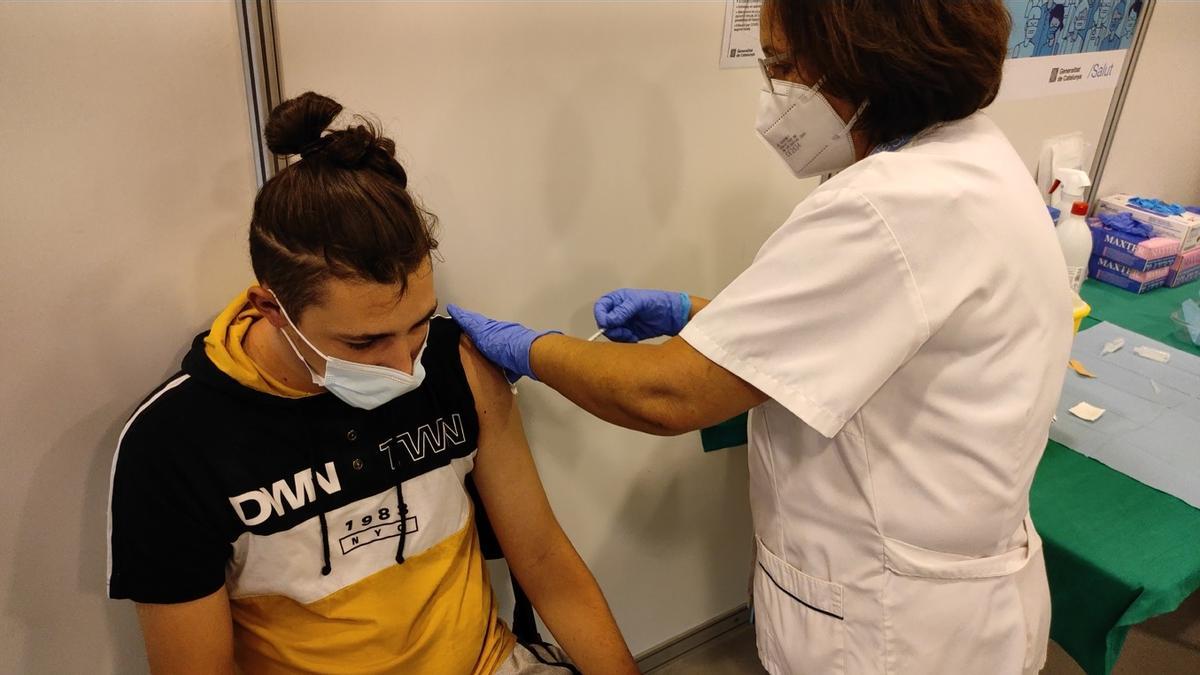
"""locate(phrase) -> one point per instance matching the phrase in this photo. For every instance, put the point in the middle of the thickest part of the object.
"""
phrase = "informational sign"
(739, 44)
(1066, 46)
(1055, 47)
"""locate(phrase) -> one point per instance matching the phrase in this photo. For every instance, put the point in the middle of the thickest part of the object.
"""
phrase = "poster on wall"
(740, 47)
(1067, 46)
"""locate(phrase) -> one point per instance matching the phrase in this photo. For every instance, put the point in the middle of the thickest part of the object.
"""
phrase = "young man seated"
(294, 500)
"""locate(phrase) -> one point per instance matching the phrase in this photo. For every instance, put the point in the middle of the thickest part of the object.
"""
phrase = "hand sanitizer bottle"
(1075, 238)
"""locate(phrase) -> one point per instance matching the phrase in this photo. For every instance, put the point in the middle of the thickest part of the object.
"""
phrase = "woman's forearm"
(664, 389)
(629, 385)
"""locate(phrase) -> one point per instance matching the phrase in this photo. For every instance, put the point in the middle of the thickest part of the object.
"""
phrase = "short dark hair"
(342, 211)
(918, 62)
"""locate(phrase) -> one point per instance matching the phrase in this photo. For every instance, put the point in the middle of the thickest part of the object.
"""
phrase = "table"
(1117, 552)
(1148, 314)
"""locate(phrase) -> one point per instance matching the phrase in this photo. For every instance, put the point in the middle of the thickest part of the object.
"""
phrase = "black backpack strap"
(524, 625)
(488, 544)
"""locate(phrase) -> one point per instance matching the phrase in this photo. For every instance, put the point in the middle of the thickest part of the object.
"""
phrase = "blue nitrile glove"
(1125, 224)
(632, 314)
(504, 343)
(1156, 206)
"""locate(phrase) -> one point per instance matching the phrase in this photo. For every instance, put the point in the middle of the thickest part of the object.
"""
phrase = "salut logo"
(297, 492)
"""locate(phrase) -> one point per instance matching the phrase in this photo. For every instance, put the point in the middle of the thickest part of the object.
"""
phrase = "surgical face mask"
(803, 128)
(358, 384)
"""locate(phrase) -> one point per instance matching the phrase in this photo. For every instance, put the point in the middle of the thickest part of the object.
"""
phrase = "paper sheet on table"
(1086, 411)
(1151, 428)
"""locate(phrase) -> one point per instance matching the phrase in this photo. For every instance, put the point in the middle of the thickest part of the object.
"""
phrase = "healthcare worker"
(900, 341)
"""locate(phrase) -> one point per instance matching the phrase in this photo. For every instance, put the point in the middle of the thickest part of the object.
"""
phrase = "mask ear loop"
(291, 344)
(854, 118)
(845, 132)
(317, 379)
(762, 67)
(816, 90)
(291, 323)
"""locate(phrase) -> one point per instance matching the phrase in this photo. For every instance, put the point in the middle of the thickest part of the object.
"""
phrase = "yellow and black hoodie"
(345, 537)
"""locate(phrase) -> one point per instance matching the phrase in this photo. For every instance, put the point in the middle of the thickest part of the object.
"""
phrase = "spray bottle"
(1075, 238)
(1069, 187)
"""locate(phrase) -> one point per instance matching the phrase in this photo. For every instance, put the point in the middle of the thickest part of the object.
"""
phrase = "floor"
(1166, 645)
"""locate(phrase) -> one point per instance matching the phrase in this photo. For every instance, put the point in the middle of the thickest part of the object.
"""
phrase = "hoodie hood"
(223, 346)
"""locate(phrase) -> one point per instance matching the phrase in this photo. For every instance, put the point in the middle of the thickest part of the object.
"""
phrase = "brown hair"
(342, 211)
(918, 62)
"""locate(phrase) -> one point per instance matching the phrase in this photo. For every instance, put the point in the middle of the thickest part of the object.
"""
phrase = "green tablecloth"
(1117, 552)
(1148, 314)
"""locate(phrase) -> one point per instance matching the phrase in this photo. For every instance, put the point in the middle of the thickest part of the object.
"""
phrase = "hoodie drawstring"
(400, 488)
(325, 544)
(327, 567)
(328, 564)
(403, 522)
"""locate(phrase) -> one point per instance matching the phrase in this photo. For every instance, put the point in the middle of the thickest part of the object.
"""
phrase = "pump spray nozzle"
(1069, 186)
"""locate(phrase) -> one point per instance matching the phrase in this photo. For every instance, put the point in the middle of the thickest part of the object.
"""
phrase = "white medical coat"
(911, 324)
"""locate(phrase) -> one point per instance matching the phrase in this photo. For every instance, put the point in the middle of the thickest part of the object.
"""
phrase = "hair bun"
(296, 127)
(348, 147)
(297, 123)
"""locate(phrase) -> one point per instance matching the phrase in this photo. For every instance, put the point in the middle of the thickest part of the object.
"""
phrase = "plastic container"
(1181, 328)
(1081, 310)
(1075, 238)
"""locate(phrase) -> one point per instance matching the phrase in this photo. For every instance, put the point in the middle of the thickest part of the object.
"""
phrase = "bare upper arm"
(494, 401)
(505, 474)
(189, 637)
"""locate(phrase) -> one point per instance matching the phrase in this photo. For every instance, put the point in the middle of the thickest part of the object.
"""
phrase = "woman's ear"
(266, 304)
